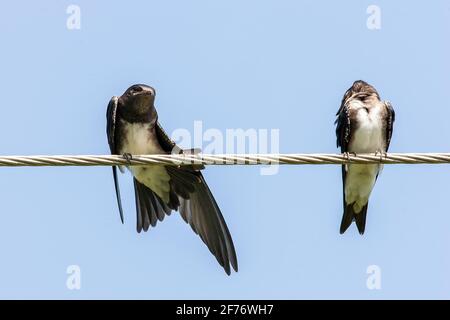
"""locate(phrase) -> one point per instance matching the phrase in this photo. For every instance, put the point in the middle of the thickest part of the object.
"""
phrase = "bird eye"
(134, 90)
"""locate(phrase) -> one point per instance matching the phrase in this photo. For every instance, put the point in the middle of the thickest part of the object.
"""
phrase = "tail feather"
(149, 207)
(347, 219)
(360, 219)
(349, 216)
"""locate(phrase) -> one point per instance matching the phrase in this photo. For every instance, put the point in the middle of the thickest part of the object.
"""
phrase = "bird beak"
(145, 98)
(148, 91)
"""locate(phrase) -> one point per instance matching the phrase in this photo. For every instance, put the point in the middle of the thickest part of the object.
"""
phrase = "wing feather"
(390, 123)
(198, 207)
(111, 113)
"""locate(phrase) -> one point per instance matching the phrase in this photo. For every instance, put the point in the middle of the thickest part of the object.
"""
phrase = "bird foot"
(128, 157)
(347, 155)
(383, 155)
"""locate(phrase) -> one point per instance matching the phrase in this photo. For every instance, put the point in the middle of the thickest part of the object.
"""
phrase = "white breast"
(359, 183)
(368, 136)
(139, 140)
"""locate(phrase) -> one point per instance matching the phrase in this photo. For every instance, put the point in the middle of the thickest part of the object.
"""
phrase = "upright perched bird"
(133, 128)
(364, 125)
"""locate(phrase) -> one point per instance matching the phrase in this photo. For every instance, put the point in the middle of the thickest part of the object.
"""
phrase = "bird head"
(360, 90)
(138, 101)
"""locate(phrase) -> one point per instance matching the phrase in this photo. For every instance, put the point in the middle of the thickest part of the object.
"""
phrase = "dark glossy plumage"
(188, 192)
(347, 123)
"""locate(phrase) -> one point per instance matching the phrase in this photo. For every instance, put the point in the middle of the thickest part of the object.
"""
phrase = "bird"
(133, 129)
(364, 124)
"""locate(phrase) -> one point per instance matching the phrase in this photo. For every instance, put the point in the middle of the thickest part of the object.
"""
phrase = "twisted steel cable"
(223, 159)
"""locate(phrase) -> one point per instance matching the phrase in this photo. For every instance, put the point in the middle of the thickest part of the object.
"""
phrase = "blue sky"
(230, 64)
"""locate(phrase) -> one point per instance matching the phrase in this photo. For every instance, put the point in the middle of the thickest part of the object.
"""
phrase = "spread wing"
(149, 207)
(389, 123)
(166, 143)
(198, 207)
(111, 133)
